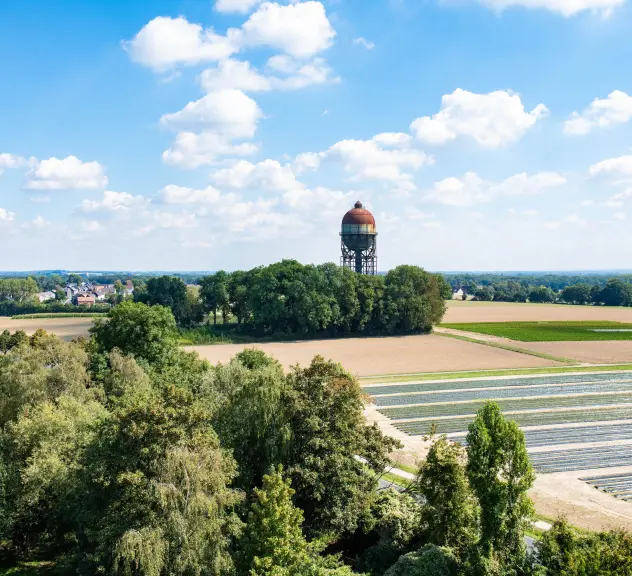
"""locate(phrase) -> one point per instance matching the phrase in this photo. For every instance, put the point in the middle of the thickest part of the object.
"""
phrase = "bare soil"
(66, 328)
(396, 355)
(469, 311)
(600, 352)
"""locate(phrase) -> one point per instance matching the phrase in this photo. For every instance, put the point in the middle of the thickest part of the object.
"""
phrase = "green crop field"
(550, 331)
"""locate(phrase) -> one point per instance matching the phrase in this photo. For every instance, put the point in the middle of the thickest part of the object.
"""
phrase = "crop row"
(465, 408)
(582, 459)
(578, 435)
(465, 395)
(450, 425)
(618, 485)
(497, 382)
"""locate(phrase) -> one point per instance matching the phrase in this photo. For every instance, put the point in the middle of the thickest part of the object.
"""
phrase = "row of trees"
(556, 281)
(291, 298)
(615, 292)
(125, 455)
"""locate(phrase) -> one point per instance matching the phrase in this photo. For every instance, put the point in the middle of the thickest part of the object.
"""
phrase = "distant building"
(102, 291)
(461, 294)
(85, 300)
(45, 296)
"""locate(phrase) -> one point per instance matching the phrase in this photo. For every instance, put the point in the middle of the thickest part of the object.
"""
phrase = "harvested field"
(66, 328)
(468, 311)
(589, 352)
(398, 355)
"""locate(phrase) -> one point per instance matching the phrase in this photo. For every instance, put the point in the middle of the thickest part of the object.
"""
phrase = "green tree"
(74, 279)
(450, 512)
(214, 294)
(577, 294)
(170, 292)
(147, 332)
(429, 561)
(500, 474)
(616, 293)
(238, 288)
(416, 298)
(18, 290)
(541, 295)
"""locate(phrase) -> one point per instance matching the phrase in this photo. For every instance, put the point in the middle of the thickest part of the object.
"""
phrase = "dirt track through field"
(469, 311)
(66, 328)
(396, 355)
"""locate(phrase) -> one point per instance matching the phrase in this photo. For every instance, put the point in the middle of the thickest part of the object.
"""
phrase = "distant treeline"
(289, 298)
(612, 292)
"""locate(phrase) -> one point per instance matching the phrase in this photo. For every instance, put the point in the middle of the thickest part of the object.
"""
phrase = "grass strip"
(575, 331)
(58, 315)
(394, 479)
(509, 348)
(421, 376)
(405, 467)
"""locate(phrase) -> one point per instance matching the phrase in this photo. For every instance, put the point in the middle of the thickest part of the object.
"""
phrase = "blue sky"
(483, 134)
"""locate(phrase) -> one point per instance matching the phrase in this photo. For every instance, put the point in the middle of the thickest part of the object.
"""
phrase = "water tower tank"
(359, 240)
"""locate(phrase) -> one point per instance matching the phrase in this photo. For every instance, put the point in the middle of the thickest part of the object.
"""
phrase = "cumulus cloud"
(492, 119)
(90, 226)
(114, 202)
(268, 174)
(191, 150)
(307, 161)
(13, 161)
(617, 200)
(621, 166)
(300, 30)
(38, 223)
(165, 42)
(381, 158)
(320, 199)
(364, 43)
(240, 75)
(173, 194)
(564, 7)
(471, 189)
(69, 173)
(236, 6)
(615, 109)
(161, 220)
(6, 216)
(228, 112)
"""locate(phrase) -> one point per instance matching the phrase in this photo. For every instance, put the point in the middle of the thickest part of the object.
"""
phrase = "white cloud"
(173, 194)
(240, 75)
(39, 199)
(165, 42)
(159, 220)
(621, 165)
(618, 200)
(114, 202)
(564, 7)
(615, 109)
(364, 43)
(238, 6)
(13, 161)
(552, 224)
(67, 174)
(373, 159)
(575, 219)
(268, 174)
(471, 189)
(90, 226)
(228, 112)
(300, 30)
(307, 161)
(38, 223)
(586, 203)
(318, 200)
(6, 216)
(492, 119)
(191, 150)
(192, 244)
(619, 215)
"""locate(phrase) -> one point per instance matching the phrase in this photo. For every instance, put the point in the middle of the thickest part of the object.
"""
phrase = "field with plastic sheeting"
(618, 485)
(571, 421)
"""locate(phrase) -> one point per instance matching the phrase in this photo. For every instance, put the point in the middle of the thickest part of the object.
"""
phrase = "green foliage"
(171, 292)
(146, 332)
(214, 293)
(18, 290)
(550, 331)
(500, 474)
(564, 552)
(429, 561)
(450, 512)
(541, 294)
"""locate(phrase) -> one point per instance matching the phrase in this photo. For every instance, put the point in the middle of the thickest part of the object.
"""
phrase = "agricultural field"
(549, 331)
(460, 312)
(64, 327)
(618, 485)
(391, 355)
(555, 410)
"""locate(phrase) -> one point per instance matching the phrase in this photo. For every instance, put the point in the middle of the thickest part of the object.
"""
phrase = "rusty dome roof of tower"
(358, 215)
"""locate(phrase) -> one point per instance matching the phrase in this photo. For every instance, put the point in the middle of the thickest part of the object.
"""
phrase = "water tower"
(359, 240)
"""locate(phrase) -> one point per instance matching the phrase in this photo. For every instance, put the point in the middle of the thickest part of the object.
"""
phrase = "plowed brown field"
(66, 328)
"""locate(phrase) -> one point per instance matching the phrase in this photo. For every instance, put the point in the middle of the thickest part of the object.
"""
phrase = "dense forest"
(125, 455)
